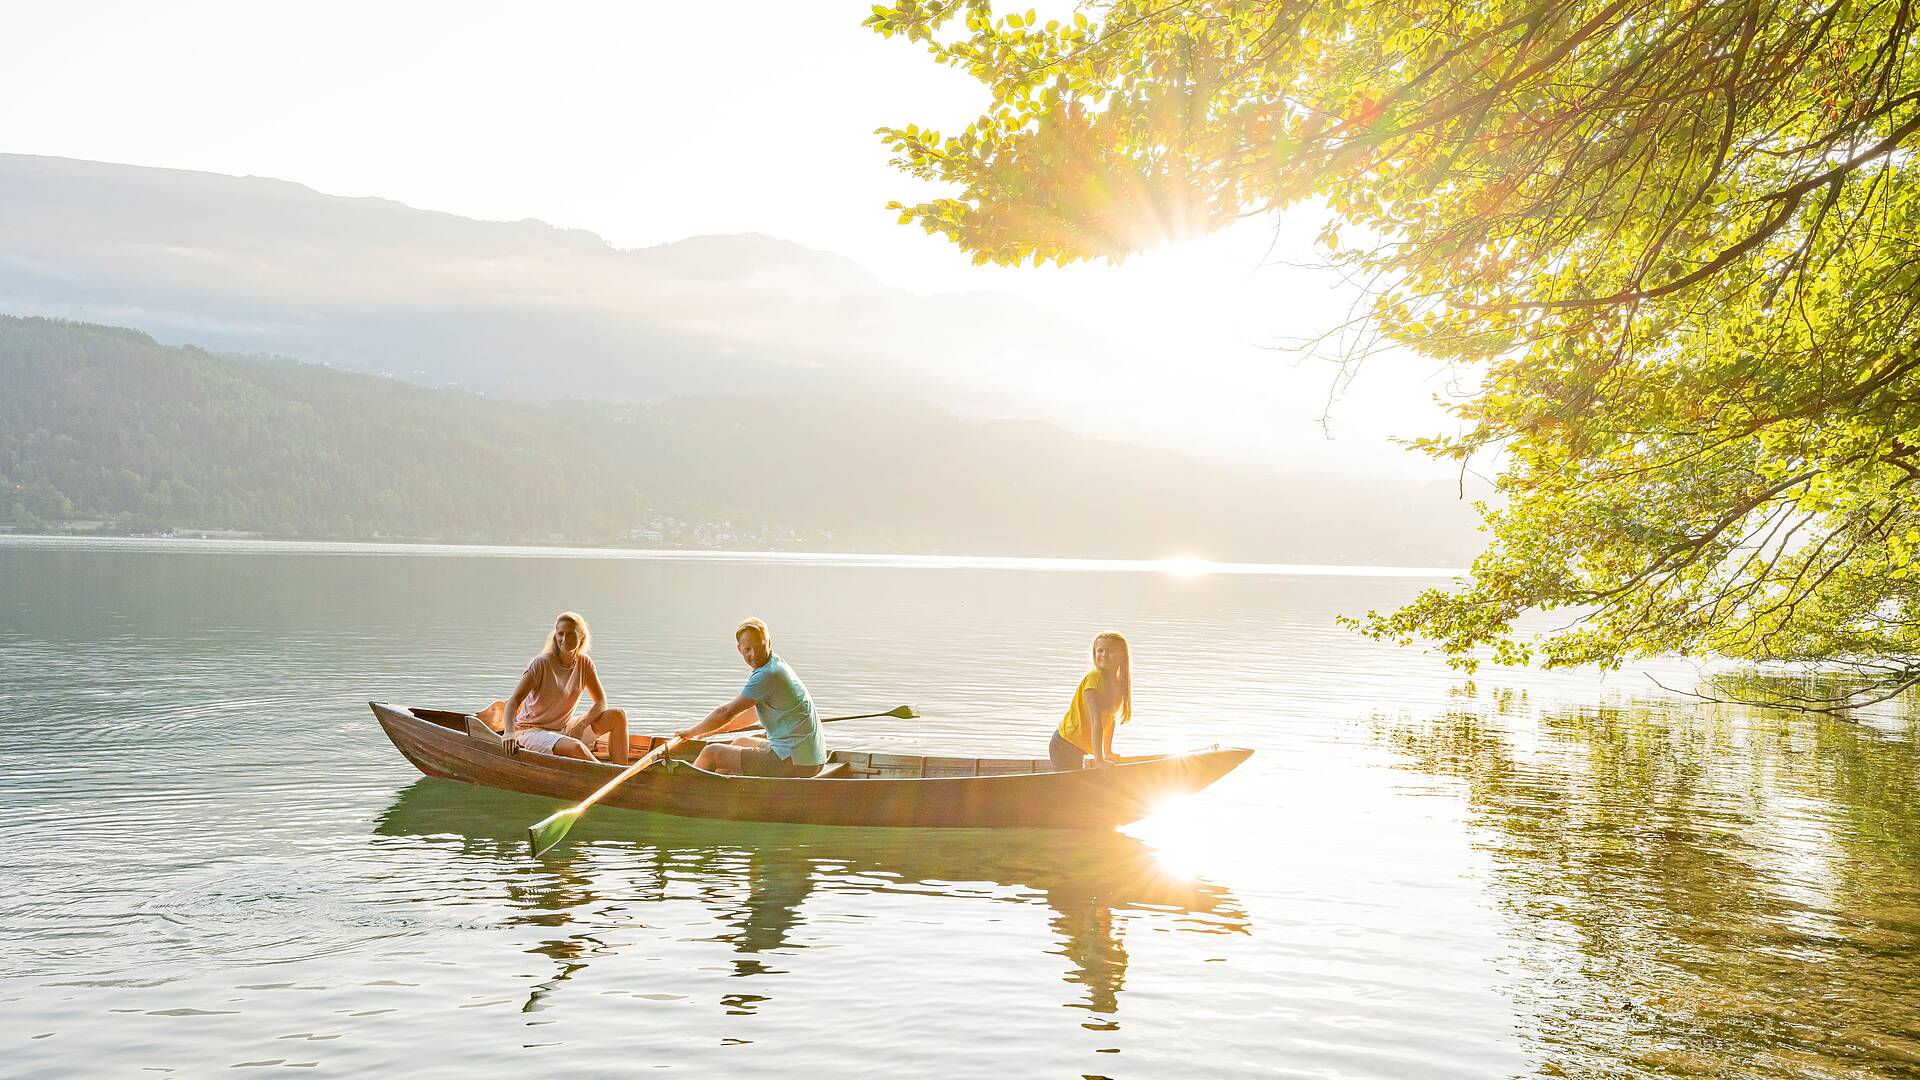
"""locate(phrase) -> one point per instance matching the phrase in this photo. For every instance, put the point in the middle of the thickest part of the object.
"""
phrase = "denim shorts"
(1065, 756)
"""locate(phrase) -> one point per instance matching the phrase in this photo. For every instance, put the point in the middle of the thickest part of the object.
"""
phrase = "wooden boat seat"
(480, 729)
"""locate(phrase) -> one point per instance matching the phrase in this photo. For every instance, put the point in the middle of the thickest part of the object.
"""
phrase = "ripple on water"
(247, 912)
(1412, 876)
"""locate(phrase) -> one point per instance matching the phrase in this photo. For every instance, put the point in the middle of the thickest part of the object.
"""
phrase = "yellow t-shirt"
(1073, 726)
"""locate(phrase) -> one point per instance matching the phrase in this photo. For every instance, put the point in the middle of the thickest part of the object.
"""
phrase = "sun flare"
(1187, 840)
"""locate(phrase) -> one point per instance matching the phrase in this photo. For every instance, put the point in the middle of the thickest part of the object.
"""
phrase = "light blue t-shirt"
(781, 702)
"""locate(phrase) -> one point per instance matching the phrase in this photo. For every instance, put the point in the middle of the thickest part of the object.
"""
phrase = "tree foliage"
(1675, 240)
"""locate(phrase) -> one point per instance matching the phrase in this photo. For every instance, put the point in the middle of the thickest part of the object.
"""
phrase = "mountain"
(534, 318)
(253, 265)
(103, 423)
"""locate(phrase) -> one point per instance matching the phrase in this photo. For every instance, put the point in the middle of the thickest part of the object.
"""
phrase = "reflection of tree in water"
(1700, 887)
(755, 879)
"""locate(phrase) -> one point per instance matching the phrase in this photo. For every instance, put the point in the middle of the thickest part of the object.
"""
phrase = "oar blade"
(547, 835)
(904, 712)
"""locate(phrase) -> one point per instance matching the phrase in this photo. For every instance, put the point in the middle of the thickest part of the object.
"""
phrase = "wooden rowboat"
(857, 787)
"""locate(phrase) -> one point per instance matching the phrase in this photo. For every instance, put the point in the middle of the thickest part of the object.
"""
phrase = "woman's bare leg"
(573, 748)
(494, 716)
(613, 724)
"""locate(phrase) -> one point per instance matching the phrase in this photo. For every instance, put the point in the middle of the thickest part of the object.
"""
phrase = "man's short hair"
(756, 626)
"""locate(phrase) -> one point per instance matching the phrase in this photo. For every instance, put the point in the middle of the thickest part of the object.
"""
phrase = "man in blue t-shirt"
(779, 703)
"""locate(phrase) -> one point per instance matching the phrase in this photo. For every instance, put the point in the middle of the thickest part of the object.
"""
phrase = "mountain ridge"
(105, 424)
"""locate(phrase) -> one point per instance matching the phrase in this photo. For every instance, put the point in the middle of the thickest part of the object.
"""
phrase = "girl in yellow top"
(1103, 699)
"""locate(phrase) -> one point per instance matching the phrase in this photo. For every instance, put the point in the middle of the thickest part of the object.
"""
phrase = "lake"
(215, 859)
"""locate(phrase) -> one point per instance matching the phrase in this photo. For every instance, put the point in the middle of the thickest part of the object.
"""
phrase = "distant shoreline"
(1177, 567)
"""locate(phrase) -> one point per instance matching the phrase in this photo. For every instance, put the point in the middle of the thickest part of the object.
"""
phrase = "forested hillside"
(103, 424)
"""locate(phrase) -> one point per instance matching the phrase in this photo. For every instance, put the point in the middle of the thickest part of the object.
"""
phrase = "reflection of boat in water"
(856, 788)
(755, 876)
(1121, 869)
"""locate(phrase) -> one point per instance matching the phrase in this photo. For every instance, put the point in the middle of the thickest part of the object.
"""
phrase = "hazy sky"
(648, 122)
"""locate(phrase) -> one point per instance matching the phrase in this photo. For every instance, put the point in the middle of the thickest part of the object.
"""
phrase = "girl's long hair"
(579, 622)
(1122, 675)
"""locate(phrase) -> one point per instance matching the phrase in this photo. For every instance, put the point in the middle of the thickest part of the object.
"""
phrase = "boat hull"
(1006, 794)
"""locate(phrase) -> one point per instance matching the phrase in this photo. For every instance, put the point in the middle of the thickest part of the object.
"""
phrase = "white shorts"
(543, 740)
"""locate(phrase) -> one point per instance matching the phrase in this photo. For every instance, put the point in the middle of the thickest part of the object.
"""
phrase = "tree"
(25, 519)
(1675, 243)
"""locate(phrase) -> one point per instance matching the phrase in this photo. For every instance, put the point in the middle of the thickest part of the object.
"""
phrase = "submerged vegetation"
(1674, 243)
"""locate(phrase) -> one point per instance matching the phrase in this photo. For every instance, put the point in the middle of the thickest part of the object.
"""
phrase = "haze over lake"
(346, 354)
(216, 856)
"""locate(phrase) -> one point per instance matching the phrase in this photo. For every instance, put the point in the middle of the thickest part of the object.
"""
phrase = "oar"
(553, 829)
(904, 712)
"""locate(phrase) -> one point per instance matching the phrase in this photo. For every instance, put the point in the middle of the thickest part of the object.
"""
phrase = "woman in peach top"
(539, 715)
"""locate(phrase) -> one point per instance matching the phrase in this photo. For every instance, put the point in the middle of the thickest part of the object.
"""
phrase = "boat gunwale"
(1071, 799)
(677, 767)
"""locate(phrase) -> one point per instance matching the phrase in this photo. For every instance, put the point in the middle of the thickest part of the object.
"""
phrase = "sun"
(1187, 566)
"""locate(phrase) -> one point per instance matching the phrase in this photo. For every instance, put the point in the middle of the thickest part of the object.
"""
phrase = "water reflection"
(1694, 884)
(755, 879)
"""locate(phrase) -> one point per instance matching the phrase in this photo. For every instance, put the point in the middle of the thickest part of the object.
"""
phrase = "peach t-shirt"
(550, 703)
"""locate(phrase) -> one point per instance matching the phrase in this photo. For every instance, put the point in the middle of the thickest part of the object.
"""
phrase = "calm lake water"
(214, 858)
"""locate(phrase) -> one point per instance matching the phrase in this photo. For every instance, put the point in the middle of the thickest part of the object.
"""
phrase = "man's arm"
(719, 719)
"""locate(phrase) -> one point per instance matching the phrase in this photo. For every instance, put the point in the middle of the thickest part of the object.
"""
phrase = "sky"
(650, 122)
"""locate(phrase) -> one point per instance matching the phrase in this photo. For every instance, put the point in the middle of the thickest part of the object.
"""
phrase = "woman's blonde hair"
(1122, 675)
(579, 623)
